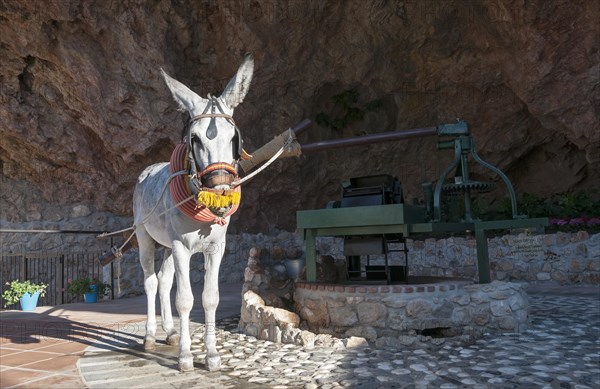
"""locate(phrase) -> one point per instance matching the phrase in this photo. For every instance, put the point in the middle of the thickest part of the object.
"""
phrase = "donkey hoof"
(213, 363)
(186, 364)
(173, 339)
(149, 344)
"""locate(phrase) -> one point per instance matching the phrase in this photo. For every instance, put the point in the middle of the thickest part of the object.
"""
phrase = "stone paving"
(561, 349)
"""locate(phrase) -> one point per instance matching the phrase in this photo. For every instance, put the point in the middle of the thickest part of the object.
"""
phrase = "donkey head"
(214, 141)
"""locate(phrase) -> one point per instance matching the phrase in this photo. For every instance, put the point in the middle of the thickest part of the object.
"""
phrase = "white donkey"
(213, 147)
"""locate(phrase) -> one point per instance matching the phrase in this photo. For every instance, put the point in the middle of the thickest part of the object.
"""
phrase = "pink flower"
(594, 221)
(576, 221)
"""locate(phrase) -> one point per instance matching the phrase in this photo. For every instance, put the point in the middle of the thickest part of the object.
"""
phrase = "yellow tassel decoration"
(215, 200)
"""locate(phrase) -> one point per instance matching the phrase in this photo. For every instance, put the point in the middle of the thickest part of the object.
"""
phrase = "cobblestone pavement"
(561, 349)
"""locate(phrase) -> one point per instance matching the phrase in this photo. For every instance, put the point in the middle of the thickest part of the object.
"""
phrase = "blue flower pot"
(91, 297)
(29, 301)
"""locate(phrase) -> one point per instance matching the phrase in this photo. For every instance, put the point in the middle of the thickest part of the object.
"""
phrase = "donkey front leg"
(146, 245)
(184, 301)
(210, 301)
(165, 283)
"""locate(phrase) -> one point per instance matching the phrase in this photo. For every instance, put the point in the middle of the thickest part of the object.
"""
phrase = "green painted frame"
(395, 218)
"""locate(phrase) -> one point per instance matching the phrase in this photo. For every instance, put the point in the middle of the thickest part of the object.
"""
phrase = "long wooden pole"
(368, 139)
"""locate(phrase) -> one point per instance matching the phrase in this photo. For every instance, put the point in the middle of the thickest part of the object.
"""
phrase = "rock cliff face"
(83, 108)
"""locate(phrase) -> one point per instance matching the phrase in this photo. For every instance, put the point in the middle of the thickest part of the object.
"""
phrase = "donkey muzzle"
(220, 173)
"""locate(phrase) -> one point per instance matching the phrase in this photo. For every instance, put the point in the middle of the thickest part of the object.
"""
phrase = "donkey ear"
(184, 96)
(236, 89)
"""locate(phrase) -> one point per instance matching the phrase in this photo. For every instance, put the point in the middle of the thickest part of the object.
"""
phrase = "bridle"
(213, 173)
(186, 183)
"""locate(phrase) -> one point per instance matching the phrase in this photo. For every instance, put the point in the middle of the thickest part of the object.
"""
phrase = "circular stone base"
(442, 307)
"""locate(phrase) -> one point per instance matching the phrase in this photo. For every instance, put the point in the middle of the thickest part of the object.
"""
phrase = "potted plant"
(25, 292)
(89, 288)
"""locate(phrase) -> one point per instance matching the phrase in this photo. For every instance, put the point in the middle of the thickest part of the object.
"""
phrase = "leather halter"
(211, 131)
(215, 173)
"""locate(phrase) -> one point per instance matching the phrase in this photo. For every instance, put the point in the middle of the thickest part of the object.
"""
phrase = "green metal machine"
(464, 146)
(399, 219)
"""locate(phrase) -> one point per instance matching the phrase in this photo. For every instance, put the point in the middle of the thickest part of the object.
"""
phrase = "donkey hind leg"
(184, 301)
(210, 301)
(165, 282)
(146, 247)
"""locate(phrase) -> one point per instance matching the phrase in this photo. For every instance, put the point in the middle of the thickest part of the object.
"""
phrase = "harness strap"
(211, 115)
(218, 166)
(162, 193)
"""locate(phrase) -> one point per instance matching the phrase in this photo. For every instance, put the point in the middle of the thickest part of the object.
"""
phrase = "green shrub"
(17, 289)
(84, 285)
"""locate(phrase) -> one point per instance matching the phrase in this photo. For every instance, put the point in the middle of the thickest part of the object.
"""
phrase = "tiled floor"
(40, 349)
(39, 367)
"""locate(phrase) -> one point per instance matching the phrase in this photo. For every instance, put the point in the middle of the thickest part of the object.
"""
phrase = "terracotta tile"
(12, 377)
(56, 364)
(55, 333)
(18, 334)
(47, 344)
(7, 351)
(22, 340)
(26, 357)
(27, 346)
(31, 332)
(69, 347)
(58, 381)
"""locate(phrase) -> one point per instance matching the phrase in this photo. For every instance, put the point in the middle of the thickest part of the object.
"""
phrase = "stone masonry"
(394, 314)
(267, 308)
(561, 258)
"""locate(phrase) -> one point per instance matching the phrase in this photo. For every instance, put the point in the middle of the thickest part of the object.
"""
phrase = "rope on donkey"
(118, 251)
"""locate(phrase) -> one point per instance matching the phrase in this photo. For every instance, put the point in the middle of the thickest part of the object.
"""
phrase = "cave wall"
(83, 108)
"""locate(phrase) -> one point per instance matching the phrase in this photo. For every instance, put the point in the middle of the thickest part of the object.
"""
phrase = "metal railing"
(56, 270)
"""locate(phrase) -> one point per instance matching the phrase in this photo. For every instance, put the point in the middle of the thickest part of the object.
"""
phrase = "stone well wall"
(276, 308)
(388, 314)
(267, 307)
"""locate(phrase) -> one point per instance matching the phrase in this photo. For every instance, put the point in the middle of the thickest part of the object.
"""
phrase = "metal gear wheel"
(471, 186)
